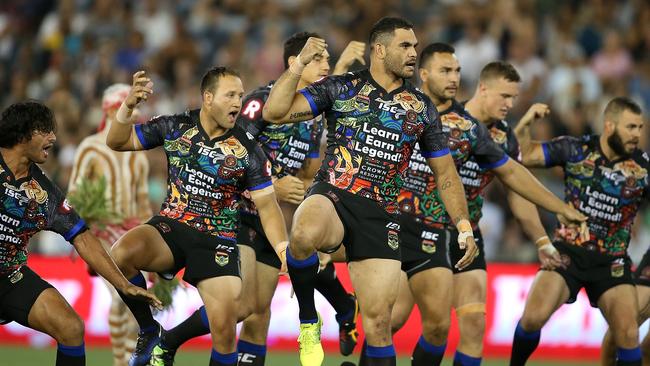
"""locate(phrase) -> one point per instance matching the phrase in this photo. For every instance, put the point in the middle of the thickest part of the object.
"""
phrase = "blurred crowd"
(574, 55)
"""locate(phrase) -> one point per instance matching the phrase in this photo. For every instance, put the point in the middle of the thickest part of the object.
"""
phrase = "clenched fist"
(313, 47)
(140, 90)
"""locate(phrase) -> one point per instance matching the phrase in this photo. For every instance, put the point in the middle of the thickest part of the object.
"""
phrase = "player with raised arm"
(293, 151)
(125, 176)
(32, 203)
(211, 163)
(374, 118)
(606, 178)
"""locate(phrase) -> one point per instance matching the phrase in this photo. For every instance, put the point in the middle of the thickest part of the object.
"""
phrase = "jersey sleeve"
(152, 134)
(63, 218)
(489, 155)
(561, 150)
(433, 140)
(258, 175)
(513, 145)
(646, 191)
(322, 94)
(316, 136)
(250, 117)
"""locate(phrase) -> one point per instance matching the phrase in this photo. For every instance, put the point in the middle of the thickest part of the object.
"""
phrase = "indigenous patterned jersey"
(287, 146)
(205, 176)
(475, 178)
(29, 205)
(608, 192)
(467, 139)
(372, 133)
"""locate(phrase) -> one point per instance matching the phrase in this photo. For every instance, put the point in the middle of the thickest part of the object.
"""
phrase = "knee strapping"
(473, 308)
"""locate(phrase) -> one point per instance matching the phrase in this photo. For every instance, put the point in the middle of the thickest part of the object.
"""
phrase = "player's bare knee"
(397, 322)
(303, 239)
(303, 235)
(69, 329)
(378, 324)
(263, 311)
(121, 256)
(436, 329)
(244, 311)
(626, 336)
(532, 322)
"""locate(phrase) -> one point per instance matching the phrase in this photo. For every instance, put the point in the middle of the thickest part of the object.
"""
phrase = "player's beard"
(615, 143)
(394, 65)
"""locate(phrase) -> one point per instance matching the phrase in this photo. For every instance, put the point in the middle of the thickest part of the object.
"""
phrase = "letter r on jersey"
(252, 108)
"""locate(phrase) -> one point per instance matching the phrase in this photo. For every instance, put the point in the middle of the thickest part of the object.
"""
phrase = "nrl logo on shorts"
(222, 258)
(618, 268)
(164, 227)
(428, 246)
(393, 240)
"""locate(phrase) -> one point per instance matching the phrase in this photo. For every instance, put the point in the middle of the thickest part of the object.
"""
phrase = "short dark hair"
(210, 80)
(499, 69)
(21, 120)
(386, 27)
(294, 45)
(437, 47)
(618, 105)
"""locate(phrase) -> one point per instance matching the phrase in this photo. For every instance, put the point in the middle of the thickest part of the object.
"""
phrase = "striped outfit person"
(126, 195)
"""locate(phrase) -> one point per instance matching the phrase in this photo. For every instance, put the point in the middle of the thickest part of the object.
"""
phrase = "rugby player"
(31, 203)
(374, 118)
(606, 178)
(126, 176)
(293, 151)
(211, 163)
(425, 225)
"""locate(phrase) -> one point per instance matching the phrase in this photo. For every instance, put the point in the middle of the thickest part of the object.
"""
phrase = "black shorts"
(202, 255)
(251, 234)
(423, 246)
(595, 272)
(17, 298)
(642, 273)
(456, 253)
(370, 231)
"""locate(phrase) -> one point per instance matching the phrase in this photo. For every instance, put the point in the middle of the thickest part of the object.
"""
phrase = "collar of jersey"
(194, 115)
(365, 73)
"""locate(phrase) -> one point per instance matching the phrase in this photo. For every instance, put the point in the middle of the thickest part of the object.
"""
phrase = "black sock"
(380, 356)
(194, 326)
(140, 309)
(427, 354)
(461, 359)
(251, 354)
(363, 359)
(628, 357)
(331, 288)
(71, 355)
(523, 345)
(220, 359)
(303, 280)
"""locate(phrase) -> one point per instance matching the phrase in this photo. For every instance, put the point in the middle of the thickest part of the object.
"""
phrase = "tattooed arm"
(285, 104)
(450, 187)
(452, 193)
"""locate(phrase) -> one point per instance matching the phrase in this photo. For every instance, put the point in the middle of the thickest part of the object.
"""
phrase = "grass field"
(22, 356)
